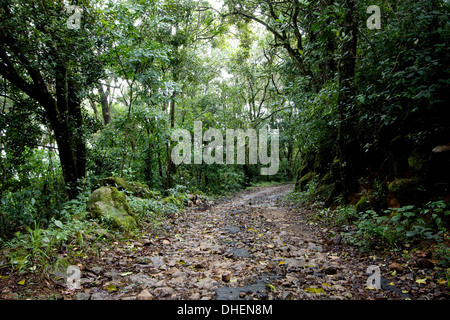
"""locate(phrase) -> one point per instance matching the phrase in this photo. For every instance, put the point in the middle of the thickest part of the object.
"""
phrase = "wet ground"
(252, 245)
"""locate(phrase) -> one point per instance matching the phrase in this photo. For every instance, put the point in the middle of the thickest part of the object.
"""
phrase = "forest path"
(252, 245)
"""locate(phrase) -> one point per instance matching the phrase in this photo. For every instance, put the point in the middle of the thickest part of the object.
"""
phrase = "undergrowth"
(74, 235)
(392, 228)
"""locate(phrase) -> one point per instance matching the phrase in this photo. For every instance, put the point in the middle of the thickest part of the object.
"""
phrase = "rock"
(330, 270)
(337, 239)
(97, 270)
(143, 279)
(396, 266)
(163, 292)
(314, 247)
(293, 263)
(195, 296)
(157, 261)
(101, 296)
(239, 266)
(205, 284)
(82, 296)
(138, 189)
(144, 295)
(226, 277)
(191, 197)
(178, 282)
(425, 263)
(405, 190)
(110, 206)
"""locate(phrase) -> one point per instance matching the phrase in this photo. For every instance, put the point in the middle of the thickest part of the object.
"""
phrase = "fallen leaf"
(21, 282)
(111, 287)
(422, 281)
(442, 281)
(315, 290)
(126, 274)
(271, 287)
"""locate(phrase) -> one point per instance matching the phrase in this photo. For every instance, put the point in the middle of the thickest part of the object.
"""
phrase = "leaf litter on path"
(252, 245)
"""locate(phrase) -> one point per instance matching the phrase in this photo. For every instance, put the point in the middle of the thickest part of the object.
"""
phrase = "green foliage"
(307, 196)
(396, 226)
(152, 211)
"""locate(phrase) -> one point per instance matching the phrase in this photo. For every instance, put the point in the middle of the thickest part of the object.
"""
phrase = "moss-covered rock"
(110, 207)
(138, 189)
(406, 191)
(363, 204)
(176, 201)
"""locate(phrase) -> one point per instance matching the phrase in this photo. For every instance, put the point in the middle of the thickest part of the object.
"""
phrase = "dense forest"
(350, 99)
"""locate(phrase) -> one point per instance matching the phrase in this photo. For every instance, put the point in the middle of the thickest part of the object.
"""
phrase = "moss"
(174, 201)
(402, 185)
(405, 190)
(305, 180)
(323, 192)
(362, 205)
(110, 207)
(138, 189)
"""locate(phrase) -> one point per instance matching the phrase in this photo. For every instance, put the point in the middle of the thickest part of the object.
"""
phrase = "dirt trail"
(250, 246)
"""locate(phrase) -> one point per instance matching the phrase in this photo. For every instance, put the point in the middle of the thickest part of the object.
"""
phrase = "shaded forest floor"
(252, 245)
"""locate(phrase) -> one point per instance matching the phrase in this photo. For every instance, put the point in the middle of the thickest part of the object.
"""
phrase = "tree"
(53, 65)
(347, 144)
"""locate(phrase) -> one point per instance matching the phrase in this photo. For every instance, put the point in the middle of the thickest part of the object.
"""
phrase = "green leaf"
(409, 214)
(59, 224)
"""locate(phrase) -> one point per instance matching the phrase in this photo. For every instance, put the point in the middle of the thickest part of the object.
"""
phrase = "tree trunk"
(347, 144)
(106, 106)
(62, 103)
(171, 168)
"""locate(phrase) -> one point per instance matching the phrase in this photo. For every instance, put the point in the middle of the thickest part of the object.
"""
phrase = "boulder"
(440, 168)
(138, 189)
(110, 207)
(406, 191)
